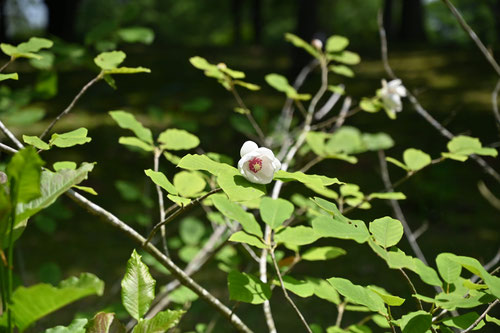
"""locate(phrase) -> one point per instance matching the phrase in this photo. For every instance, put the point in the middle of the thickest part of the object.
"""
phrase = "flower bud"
(257, 165)
(317, 44)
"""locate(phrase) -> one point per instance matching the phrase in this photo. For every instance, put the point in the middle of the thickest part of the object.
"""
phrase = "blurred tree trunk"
(495, 9)
(307, 18)
(412, 21)
(257, 21)
(62, 17)
(387, 14)
(237, 8)
(3, 22)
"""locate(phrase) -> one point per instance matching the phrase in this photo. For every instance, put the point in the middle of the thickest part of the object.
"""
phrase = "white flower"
(257, 165)
(391, 94)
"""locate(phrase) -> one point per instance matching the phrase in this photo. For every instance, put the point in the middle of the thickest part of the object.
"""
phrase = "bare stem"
(340, 313)
(157, 154)
(7, 149)
(71, 105)
(276, 267)
(11, 60)
(478, 320)
(249, 115)
(494, 103)
(412, 287)
(10, 135)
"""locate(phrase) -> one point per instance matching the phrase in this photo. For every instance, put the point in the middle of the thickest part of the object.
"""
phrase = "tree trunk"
(237, 8)
(62, 16)
(412, 21)
(387, 14)
(307, 18)
(257, 21)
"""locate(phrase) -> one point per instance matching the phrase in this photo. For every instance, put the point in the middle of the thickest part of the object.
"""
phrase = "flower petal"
(248, 147)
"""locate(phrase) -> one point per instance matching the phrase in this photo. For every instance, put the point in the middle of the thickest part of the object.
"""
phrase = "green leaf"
(76, 326)
(371, 105)
(11, 76)
(191, 230)
(324, 290)
(87, 189)
(138, 287)
(136, 35)
(238, 188)
(416, 159)
(27, 49)
(300, 288)
(135, 142)
(275, 211)
(180, 201)
(249, 86)
(341, 70)
(308, 180)
(345, 57)
(189, 184)
(183, 295)
(177, 139)
(64, 165)
(235, 212)
(299, 42)
(52, 185)
(24, 173)
(464, 321)
(359, 295)
(416, 322)
(296, 236)
(109, 60)
(160, 323)
(388, 195)
(388, 299)
(32, 303)
(70, 139)
(322, 253)
(280, 83)
(336, 43)
(203, 162)
(125, 70)
(104, 323)
(386, 231)
(377, 141)
(243, 237)
(247, 288)
(127, 121)
(448, 268)
(494, 320)
(397, 163)
(461, 147)
(325, 226)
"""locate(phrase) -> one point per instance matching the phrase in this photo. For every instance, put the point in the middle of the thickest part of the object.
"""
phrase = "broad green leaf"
(461, 147)
(324, 290)
(161, 180)
(386, 231)
(235, 212)
(237, 187)
(416, 322)
(64, 165)
(109, 60)
(230, 72)
(456, 300)
(126, 70)
(87, 189)
(138, 287)
(359, 295)
(180, 201)
(342, 70)
(388, 299)
(177, 139)
(312, 180)
(464, 321)
(135, 142)
(70, 139)
(182, 295)
(11, 76)
(371, 105)
(397, 163)
(448, 268)
(200, 63)
(46, 61)
(52, 185)
(299, 42)
(388, 195)
(24, 174)
(280, 83)
(76, 326)
(243, 237)
(322, 253)
(191, 230)
(247, 288)
(302, 288)
(105, 323)
(203, 162)
(160, 323)
(356, 230)
(136, 35)
(336, 43)
(416, 159)
(32, 303)
(275, 211)
(300, 235)
(35, 44)
(494, 320)
(345, 57)
(127, 121)
(377, 141)
(189, 184)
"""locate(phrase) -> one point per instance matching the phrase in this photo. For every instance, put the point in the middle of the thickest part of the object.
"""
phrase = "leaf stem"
(249, 115)
(419, 303)
(156, 163)
(11, 60)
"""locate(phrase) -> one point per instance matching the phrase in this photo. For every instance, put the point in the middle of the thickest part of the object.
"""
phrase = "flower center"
(255, 164)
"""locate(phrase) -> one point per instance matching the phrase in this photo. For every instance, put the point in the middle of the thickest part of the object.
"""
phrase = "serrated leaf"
(247, 288)
(235, 212)
(135, 142)
(359, 295)
(386, 231)
(243, 237)
(275, 211)
(177, 139)
(160, 323)
(127, 121)
(300, 235)
(64, 165)
(70, 139)
(416, 159)
(336, 43)
(322, 253)
(11, 76)
(104, 323)
(448, 268)
(138, 287)
(109, 60)
(32, 303)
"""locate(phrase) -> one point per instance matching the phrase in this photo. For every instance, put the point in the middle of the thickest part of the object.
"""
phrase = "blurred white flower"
(317, 44)
(257, 165)
(391, 94)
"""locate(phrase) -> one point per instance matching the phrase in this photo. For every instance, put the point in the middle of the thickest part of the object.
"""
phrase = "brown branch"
(11, 60)
(478, 320)
(249, 115)
(156, 165)
(10, 135)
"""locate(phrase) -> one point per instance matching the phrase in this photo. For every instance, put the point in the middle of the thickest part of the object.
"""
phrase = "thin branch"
(478, 320)
(328, 106)
(342, 114)
(340, 313)
(71, 105)
(178, 273)
(7, 149)
(11, 60)
(492, 263)
(10, 135)
(276, 267)
(249, 115)
(494, 103)
(156, 164)
(412, 287)
(473, 36)
(179, 211)
(334, 119)
(383, 44)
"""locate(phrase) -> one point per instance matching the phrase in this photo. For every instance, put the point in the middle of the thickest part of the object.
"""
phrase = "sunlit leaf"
(247, 288)
(300, 235)
(70, 139)
(386, 231)
(243, 237)
(275, 211)
(127, 120)
(235, 212)
(359, 295)
(11, 76)
(178, 139)
(136, 35)
(336, 43)
(160, 323)
(24, 174)
(76, 326)
(109, 60)
(135, 142)
(322, 253)
(416, 159)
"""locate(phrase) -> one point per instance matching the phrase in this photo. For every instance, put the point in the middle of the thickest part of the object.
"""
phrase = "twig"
(164, 260)
(286, 293)
(340, 314)
(312, 163)
(343, 113)
(7, 149)
(494, 103)
(11, 136)
(249, 115)
(412, 287)
(489, 266)
(478, 320)
(332, 120)
(71, 105)
(473, 36)
(383, 44)
(328, 106)
(11, 60)
(156, 162)
(178, 212)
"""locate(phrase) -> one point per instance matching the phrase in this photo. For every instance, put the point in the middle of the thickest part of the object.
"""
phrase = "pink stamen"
(255, 164)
